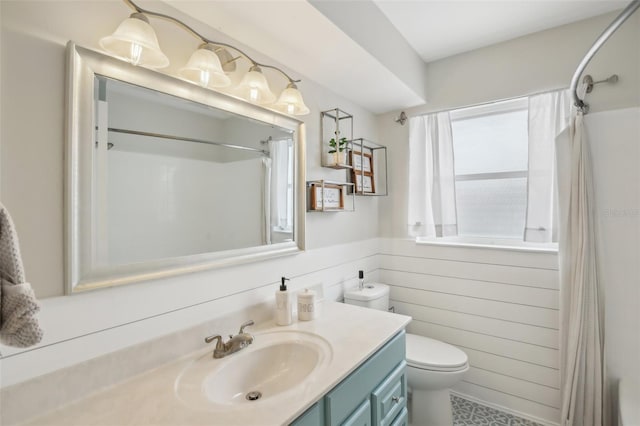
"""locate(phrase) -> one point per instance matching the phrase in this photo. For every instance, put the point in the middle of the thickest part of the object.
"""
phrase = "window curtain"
(432, 198)
(266, 200)
(582, 366)
(548, 116)
(281, 152)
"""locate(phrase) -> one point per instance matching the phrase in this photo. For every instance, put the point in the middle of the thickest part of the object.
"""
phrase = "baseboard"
(505, 409)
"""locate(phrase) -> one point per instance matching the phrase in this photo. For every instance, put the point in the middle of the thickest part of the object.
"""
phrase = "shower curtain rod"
(181, 138)
(622, 17)
(271, 139)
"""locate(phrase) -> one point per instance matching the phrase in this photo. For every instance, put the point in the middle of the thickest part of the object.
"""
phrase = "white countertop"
(354, 334)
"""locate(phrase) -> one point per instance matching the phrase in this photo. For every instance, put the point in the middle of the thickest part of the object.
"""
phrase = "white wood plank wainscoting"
(499, 306)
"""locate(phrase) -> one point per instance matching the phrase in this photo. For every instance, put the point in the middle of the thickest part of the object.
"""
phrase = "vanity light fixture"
(290, 101)
(204, 68)
(255, 88)
(135, 41)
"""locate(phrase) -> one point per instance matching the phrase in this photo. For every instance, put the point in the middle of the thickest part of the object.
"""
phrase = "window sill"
(282, 230)
(490, 243)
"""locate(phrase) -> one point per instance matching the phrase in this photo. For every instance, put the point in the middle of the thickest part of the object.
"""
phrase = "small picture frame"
(332, 198)
(362, 173)
(364, 183)
(362, 162)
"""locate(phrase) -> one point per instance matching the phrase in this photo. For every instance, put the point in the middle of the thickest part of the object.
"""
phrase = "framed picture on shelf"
(364, 183)
(332, 198)
(362, 161)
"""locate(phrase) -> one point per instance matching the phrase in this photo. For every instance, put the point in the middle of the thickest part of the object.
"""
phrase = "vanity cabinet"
(373, 395)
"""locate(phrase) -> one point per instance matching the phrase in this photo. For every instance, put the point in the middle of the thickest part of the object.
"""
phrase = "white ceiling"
(437, 29)
(373, 52)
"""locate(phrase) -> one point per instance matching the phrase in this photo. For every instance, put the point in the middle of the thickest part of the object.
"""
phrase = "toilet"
(432, 366)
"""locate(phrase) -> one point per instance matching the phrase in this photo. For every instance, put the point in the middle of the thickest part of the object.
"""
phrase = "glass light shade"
(290, 101)
(204, 69)
(135, 41)
(254, 87)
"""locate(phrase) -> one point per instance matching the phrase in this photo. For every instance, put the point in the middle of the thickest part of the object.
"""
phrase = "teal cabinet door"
(314, 416)
(360, 417)
(342, 400)
(375, 394)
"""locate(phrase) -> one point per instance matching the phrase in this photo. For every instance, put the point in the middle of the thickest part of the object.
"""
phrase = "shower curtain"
(584, 398)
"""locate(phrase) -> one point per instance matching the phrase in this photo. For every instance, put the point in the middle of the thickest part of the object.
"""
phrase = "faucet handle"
(246, 324)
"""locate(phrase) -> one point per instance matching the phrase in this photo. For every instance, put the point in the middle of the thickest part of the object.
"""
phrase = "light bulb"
(204, 78)
(136, 53)
(291, 109)
(253, 94)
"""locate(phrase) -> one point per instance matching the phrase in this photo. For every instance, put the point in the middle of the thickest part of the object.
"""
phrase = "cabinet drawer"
(360, 417)
(357, 387)
(402, 419)
(390, 397)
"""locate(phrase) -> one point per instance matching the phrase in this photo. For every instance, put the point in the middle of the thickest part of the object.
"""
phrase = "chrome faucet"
(234, 344)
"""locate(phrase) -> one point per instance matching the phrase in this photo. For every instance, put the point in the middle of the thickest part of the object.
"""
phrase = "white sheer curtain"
(548, 116)
(432, 198)
(266, 200)
(281, 172)
(582, 367)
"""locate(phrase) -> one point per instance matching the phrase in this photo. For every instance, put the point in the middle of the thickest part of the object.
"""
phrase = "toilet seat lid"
(431, 354)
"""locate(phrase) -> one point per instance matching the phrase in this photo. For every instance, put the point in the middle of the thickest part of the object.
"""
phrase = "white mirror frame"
(81, 272)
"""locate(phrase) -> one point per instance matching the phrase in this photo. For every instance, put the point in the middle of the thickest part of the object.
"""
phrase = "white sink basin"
(276, 364)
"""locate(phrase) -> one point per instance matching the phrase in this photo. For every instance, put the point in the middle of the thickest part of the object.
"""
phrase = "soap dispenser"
(284, 314)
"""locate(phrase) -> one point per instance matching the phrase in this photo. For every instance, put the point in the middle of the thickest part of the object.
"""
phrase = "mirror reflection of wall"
(175, 178)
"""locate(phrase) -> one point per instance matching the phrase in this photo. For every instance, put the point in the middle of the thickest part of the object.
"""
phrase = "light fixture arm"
(291, 80)
(204, 39)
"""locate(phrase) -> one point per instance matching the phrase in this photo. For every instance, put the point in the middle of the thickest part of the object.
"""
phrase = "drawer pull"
(395, 399)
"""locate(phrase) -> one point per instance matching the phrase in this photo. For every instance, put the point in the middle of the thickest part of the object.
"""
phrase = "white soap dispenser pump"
(284, 307)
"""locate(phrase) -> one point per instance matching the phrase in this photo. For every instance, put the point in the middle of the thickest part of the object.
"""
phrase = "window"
(490, 145)
(486, 172)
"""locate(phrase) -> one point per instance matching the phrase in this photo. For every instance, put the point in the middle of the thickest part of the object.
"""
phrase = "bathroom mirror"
(165, 177)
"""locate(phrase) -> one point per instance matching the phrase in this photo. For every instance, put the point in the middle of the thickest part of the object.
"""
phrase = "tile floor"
(467, 413)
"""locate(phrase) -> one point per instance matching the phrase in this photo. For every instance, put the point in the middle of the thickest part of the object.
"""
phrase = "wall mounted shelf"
(364, 160)
(368, 167)
(329, 196)
(337, 126)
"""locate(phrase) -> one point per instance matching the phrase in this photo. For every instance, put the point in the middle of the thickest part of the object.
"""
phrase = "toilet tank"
(373, 295)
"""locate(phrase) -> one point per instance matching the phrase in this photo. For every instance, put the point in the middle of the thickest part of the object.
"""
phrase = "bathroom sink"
(277, 364)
